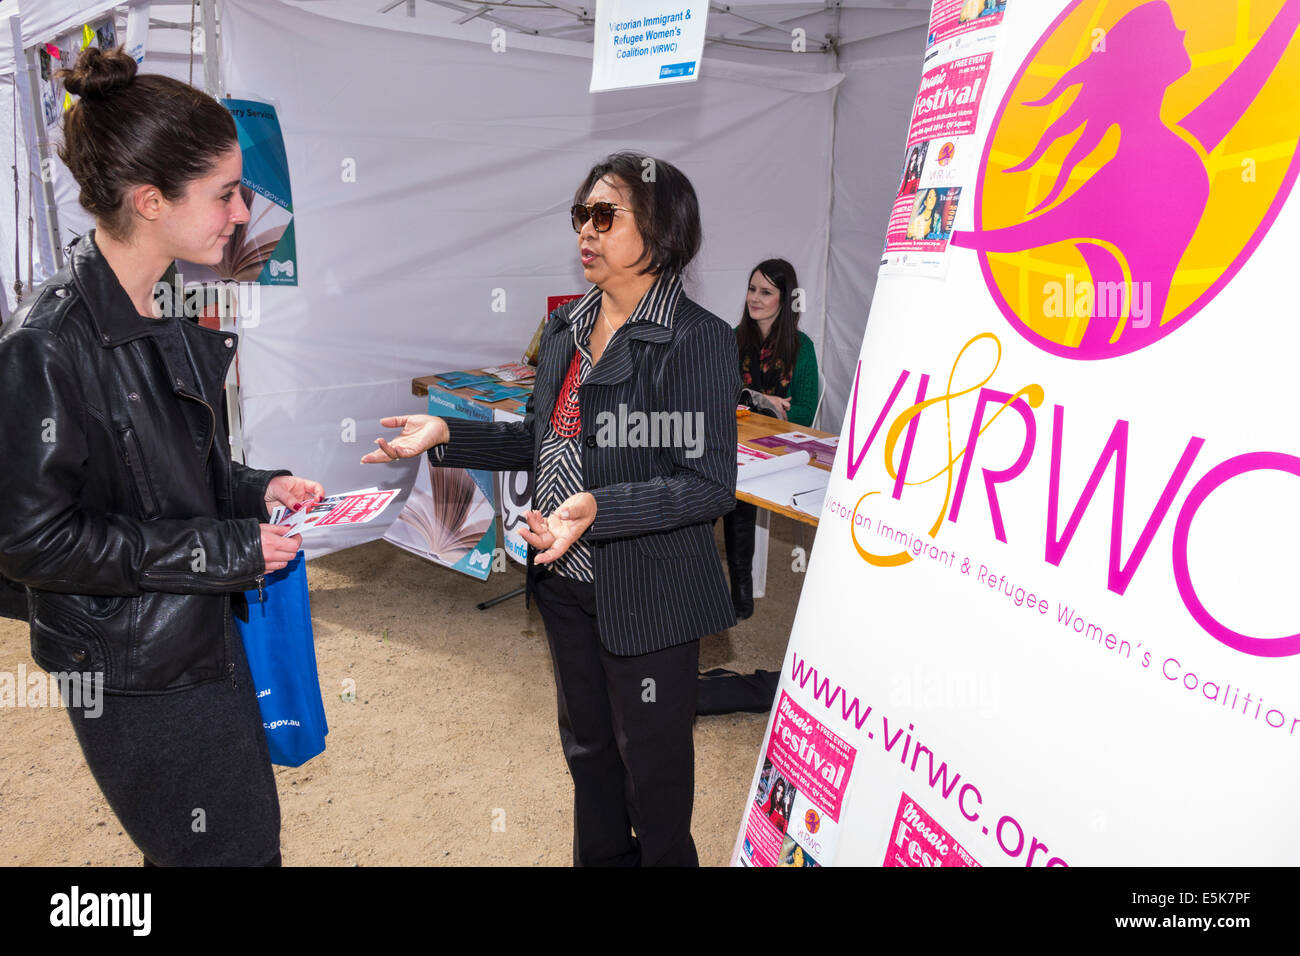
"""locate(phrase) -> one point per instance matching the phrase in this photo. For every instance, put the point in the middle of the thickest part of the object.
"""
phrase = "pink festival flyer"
(355, 507)
(916, 839)
(962, 27)
(940, 147)
(949, 101)
(794, 817)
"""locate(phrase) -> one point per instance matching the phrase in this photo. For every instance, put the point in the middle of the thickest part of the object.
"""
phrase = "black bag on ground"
(721, 691)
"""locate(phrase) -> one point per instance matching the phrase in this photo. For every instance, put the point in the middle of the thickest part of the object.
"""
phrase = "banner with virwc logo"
(1049, 617)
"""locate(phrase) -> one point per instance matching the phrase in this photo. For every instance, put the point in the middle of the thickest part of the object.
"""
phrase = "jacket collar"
(111, 311)
(651, 320)
(115, 321)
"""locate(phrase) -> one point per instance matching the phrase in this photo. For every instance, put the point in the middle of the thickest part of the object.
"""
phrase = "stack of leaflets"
(454, 380)
(355, 507)
(821, 450)
(512, 372)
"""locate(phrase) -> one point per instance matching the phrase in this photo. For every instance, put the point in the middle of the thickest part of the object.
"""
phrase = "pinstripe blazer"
(659, 579)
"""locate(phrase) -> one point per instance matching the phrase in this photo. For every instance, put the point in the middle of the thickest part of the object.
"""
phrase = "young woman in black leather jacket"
(123, 514)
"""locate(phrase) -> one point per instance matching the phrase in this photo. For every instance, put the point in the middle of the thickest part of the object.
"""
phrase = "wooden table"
(754, 426)
(420, 386)
(748, 428)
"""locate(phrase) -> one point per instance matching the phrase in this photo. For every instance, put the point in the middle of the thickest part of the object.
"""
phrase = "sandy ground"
(452, 728)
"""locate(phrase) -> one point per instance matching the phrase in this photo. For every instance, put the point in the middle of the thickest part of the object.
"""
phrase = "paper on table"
(771, 465)
(809, 502)
(782, 487)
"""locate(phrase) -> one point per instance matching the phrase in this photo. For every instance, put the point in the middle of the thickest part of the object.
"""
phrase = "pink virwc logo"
(1139, 157)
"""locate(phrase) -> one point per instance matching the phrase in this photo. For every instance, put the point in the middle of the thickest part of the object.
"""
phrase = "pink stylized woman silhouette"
(1147, 201)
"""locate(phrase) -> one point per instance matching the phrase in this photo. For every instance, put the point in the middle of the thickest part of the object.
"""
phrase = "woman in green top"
(778, 362)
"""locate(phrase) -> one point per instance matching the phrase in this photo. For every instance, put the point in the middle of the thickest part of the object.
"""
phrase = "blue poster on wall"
(263, 249)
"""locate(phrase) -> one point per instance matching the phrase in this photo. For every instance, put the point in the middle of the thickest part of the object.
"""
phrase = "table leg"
(759, 571)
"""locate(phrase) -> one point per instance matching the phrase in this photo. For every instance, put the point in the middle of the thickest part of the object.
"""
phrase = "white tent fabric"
(872, 113)
(753, 31)
(45, 19)
(466, 161)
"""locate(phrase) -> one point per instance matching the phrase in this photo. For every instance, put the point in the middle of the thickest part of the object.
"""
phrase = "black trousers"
(188, 774)
(626, 726)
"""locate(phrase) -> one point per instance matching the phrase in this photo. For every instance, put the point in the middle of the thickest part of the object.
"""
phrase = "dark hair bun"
(98, 72)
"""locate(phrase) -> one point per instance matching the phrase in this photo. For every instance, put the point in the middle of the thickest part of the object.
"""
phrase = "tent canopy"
(853, 28)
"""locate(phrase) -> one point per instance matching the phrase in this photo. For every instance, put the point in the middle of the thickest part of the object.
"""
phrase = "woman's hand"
(292, 492)
(277, 550)
(777, 400)
(419, 434)
(552, 536)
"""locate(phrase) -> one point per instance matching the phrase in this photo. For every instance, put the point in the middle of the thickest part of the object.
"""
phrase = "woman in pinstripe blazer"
(631, 436)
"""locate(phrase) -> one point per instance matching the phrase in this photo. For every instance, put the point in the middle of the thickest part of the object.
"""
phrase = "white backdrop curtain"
(873, 109)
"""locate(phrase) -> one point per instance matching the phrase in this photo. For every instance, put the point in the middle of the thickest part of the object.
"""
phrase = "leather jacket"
(130, 525)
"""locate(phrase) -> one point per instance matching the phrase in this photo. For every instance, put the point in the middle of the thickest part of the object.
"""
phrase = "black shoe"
(742, 599)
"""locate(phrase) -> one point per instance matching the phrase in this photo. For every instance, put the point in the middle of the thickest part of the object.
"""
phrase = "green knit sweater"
(804, 384)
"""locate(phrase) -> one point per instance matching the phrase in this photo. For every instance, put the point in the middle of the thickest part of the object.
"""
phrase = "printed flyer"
(941, 153)
(795, 809)
(1050, 600)
(960, 28)
(917, 839)
(353, 507)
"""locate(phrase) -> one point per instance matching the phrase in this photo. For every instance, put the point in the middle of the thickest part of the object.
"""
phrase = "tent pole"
(38, 156)
(211, 49)
(213, 86)
(830, 202)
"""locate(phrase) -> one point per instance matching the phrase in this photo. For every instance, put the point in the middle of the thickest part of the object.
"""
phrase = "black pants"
(188, 774)
(626, 726)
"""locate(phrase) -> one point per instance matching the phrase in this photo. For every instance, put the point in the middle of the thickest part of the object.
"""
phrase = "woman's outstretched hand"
(419, 434)
(554, 535)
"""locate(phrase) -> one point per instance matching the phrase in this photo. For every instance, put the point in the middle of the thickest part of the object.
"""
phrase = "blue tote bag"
(282, 657)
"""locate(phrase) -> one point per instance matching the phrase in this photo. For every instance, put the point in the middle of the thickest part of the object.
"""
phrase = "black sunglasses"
(601, 215)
